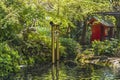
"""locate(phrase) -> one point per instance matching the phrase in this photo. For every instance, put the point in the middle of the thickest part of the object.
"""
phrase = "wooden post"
(83, 36)
(52, 41)
(57, 41)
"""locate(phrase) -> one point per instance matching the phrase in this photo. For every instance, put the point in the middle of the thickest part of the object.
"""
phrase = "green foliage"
(18, 15)
(69, 12)
(105, 47)
(40, 42)
(88, 51)
(36, 48)
(117, 50)
(72, 48)
(9, 60)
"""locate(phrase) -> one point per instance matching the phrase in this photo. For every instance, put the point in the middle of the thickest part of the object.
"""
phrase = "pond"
(65, 71)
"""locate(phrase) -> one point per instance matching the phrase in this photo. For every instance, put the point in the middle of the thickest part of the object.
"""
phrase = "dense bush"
(37, 45)
(72, 48)
(110, 48)
(9, 60)
(105, 47)
(117, 52)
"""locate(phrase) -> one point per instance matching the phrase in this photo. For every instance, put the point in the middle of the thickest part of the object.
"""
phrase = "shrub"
(105, 47)
(39, 45)
(88, 51)
(9, 60)
(72, 48)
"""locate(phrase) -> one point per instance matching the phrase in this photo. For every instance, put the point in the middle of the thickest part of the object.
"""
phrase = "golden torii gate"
(55, 41)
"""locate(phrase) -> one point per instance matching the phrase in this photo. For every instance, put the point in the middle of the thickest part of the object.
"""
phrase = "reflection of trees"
(66, 72)
(33, 73)
(78, 72)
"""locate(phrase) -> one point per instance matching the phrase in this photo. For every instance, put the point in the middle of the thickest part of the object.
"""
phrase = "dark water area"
(63, 71)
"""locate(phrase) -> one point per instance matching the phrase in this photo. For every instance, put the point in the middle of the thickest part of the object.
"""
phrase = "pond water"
(65, 71)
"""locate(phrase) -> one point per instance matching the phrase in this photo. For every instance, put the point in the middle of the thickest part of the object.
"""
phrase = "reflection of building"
(100, 29)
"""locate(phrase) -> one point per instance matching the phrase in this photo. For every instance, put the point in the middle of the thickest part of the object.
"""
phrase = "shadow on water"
(65, 71)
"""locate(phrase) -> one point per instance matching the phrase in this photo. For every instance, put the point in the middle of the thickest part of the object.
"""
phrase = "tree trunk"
(83, 36)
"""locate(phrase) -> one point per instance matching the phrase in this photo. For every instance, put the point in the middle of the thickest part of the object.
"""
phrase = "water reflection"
(62, 71)
(55, 71)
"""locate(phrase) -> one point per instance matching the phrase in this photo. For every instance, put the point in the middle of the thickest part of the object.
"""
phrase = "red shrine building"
(100, 29)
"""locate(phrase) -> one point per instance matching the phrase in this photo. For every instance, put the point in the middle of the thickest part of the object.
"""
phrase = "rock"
(115, 64)
(112, 62)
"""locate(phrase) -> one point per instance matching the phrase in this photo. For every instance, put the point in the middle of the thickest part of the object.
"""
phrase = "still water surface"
(66, 71)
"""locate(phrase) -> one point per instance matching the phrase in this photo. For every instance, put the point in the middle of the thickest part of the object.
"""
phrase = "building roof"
(104, 22)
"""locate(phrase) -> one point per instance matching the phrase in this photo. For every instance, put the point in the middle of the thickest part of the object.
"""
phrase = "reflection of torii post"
(55, 41)
(55, 71)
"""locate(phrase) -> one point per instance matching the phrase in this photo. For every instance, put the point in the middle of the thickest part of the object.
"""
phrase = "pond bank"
(112, 62)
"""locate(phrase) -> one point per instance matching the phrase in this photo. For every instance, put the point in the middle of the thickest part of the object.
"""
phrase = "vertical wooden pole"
(53, 45)
(83, 36)
(57, 42)
(52, 41)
